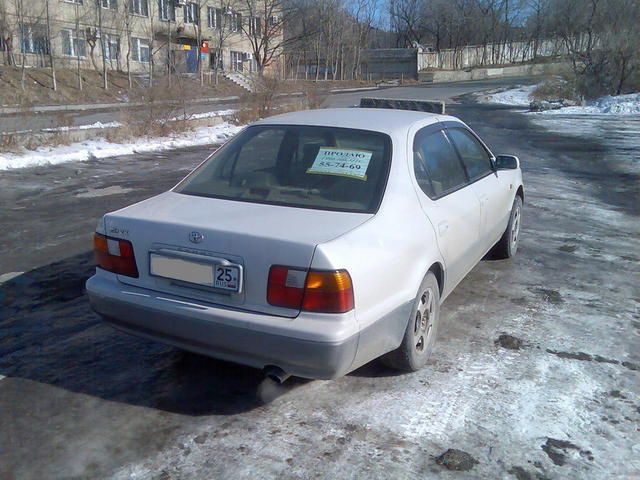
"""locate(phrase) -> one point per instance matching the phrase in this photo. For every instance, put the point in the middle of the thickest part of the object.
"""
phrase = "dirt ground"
(38, 88)
(536, 373)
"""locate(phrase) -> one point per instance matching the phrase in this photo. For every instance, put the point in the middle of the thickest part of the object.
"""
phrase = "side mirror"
(507, 162)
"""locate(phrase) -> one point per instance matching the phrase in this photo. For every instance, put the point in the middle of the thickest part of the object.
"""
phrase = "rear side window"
(474, 156)
(437, 166)
(326, 168)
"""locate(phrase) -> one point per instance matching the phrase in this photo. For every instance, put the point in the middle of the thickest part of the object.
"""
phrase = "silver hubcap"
(423, 324)
(515, 229)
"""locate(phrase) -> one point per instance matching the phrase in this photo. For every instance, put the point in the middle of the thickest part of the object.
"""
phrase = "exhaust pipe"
(276, 374)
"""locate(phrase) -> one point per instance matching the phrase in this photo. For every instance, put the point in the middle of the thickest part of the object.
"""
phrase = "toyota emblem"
(196, 237)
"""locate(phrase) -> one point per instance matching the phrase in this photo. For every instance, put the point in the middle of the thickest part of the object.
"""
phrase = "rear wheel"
(420, 334)
(507, 246)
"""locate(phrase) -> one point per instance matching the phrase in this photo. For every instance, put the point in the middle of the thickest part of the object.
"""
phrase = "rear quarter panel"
(387, 258)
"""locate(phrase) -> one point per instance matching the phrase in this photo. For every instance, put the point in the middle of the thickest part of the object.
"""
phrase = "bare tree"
(219, 18)
(265, 30)
(52, 64)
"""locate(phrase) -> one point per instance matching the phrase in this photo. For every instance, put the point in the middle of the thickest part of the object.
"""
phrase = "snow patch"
(104, 192)
(520, 96)
(620, 105)
(101, 148)
(609, 105)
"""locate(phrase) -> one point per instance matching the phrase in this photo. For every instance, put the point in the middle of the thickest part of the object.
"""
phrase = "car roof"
(384, 120)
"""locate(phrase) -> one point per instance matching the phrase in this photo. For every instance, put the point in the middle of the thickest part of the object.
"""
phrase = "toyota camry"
(312, 242)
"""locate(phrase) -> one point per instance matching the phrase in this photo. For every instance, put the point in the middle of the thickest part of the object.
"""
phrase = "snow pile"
(101, 148)
(520, 96)
(620, 105)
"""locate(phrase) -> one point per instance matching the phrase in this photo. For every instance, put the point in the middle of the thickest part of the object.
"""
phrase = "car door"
(486, 182)
(447, 201)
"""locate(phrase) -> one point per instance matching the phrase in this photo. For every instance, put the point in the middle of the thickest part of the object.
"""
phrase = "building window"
(79, 2)
(236, 22)
(191, 13)
(109, 4)
(73, 43)
(140, 50)
(167, 10)
(214, 18)
(215, 59)
(236, 61)
(111, 44)
(139, 7)
(274, 20)
(255, 26)
(34, 39)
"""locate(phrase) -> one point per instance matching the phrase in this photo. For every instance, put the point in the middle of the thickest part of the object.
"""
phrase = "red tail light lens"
(285, 287)
(313, 291)
(115, 255)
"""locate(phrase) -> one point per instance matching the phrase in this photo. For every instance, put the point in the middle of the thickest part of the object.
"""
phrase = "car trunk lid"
(250, 235)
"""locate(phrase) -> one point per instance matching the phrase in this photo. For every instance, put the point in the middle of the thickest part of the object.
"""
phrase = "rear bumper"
(245, 338)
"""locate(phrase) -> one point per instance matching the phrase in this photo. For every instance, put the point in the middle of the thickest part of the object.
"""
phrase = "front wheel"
(507, 246)
(420, 334)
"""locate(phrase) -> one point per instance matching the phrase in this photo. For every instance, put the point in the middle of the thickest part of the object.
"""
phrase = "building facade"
(135, 35)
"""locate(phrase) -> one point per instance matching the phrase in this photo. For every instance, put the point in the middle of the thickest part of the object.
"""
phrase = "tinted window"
(314, 167)
(437, 165)
(473, 154)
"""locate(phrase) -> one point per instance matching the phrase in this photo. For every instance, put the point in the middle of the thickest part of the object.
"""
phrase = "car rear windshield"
(325, 168)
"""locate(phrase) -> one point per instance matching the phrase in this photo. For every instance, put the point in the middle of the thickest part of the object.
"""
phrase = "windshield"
(325, 168)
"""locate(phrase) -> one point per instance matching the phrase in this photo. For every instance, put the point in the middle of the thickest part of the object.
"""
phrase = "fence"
(491, 54)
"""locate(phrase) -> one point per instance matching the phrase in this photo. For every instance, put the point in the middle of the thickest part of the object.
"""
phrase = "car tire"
(507, 246)
(420, 334)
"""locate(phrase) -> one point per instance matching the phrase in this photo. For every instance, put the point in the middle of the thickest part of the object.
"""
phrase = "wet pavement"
(82, 400)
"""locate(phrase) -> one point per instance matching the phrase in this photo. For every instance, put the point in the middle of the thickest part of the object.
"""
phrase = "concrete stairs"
(240, 79)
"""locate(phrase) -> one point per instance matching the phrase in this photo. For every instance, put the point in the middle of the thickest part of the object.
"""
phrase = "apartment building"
(133, 34)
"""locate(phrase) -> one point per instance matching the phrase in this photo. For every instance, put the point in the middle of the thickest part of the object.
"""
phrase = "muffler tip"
(276, 374)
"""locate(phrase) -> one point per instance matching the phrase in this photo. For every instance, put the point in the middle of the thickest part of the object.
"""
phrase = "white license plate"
(224, 277)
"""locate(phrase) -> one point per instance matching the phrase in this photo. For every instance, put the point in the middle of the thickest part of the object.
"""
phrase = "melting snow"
(521, 97)
(101, 148)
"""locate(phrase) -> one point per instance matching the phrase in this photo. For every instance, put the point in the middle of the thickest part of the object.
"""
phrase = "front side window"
(139, 7)
(73, 44)
(324, 168)
(436, 164)
(140, 51)
(474, 156)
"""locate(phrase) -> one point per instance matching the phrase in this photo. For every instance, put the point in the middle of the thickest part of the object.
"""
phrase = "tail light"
(312, 291)
(115, 255)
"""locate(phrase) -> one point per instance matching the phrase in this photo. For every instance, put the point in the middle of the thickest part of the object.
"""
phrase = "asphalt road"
(439, 91)
(82, 400)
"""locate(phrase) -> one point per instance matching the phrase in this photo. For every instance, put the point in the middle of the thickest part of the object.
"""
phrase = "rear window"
(324, 168)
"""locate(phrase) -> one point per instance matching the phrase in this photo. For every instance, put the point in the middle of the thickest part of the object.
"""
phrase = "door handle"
(442, 228)
(484, 198)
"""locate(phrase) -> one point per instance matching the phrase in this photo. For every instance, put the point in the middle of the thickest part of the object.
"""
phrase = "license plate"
(223, 277)
(226, 277)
